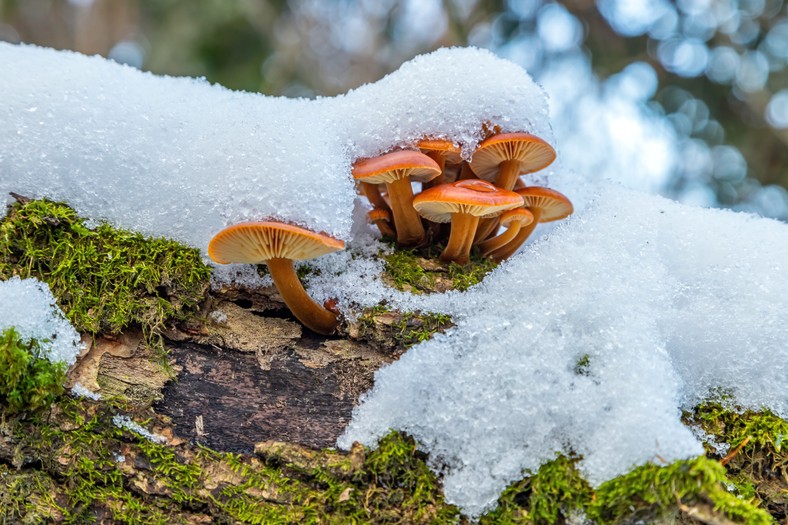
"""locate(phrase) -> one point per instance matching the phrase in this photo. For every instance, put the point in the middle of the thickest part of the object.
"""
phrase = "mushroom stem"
(466, 172)
(508, 173)
(487, 227)
(510, 248)
(440, 160)
(373, 195)
(407, 222)
(490, 245)
(306, 310)
(463, 227)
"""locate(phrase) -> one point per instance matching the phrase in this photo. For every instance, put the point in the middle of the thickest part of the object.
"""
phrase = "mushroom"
(278, 245)
(502, 159)
(546, 205)
(462, 203)
(442, 152)
(382, 219)
(513, 221)
(396, 170)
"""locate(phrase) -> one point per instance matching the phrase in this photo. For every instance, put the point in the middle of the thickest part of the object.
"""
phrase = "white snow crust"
(29, 307)
(669, 304)
(180, 158)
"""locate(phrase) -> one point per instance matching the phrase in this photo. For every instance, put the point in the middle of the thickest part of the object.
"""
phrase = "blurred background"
(688, 98)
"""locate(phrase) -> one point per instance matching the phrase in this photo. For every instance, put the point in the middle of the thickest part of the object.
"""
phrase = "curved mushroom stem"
(458, 249)
(487, 227)
(407, 221)
(306, 310)
(509, 249)
(373, 195)
(490, 245)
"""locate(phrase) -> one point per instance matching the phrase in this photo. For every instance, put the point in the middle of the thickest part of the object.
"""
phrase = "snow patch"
(29, 306)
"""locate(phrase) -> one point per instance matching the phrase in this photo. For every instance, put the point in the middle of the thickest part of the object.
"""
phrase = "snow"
(28, 306)
(668, 304)
(126, 422)
(182, 158)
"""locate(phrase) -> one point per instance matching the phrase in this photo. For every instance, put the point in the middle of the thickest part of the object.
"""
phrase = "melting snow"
(28, 305)
(666, 303)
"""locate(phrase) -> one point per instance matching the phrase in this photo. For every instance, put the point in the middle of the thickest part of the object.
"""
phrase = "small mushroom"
(443, 152)
(546, 205)
(396, 170)
(278, 245)
(502, 159)
(463, 203)
(382, 219)
(513, 221)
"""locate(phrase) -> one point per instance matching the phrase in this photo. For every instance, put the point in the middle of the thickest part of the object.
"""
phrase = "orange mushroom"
(396, 170)
(546, 205)
(382, 219)
(462, 203)
(443, 152)
(513, 221)
(278, 245)
(502, 159)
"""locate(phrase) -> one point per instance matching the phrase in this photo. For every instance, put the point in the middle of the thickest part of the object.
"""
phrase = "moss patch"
(105, 278)
(27, 380)
(77, 467)
(421, 271)
(757, 453)
(391, 330)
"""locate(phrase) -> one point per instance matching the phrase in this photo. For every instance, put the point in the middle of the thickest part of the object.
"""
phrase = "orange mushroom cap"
(450, 151)
(531, 152)
(257, 242)
(554, 205)
(472, 196)
(396, 165)
(521, 215)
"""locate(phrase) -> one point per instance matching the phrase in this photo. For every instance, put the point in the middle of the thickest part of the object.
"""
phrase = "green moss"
(105, 279)
(758, 456)
(465, 276)
(421, 271)
(556, 491)
(393, 329)
(404, 270)
(28, 381)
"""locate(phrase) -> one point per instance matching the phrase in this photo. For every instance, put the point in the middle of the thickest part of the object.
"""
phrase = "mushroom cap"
(396, 165)
(532, 153)
(516, 215)
(257, 242)
(379, 214)
(450, 151)
(471, 196)
(554, 205)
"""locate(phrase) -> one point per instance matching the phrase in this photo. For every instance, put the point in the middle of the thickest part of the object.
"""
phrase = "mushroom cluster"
(474, 198)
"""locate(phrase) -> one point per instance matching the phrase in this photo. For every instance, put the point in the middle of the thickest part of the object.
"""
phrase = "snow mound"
(593, 341)
(180, 158)
(29, 307)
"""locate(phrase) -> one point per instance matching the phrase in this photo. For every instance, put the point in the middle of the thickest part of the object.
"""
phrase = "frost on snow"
(29, 307)
(662, 304)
